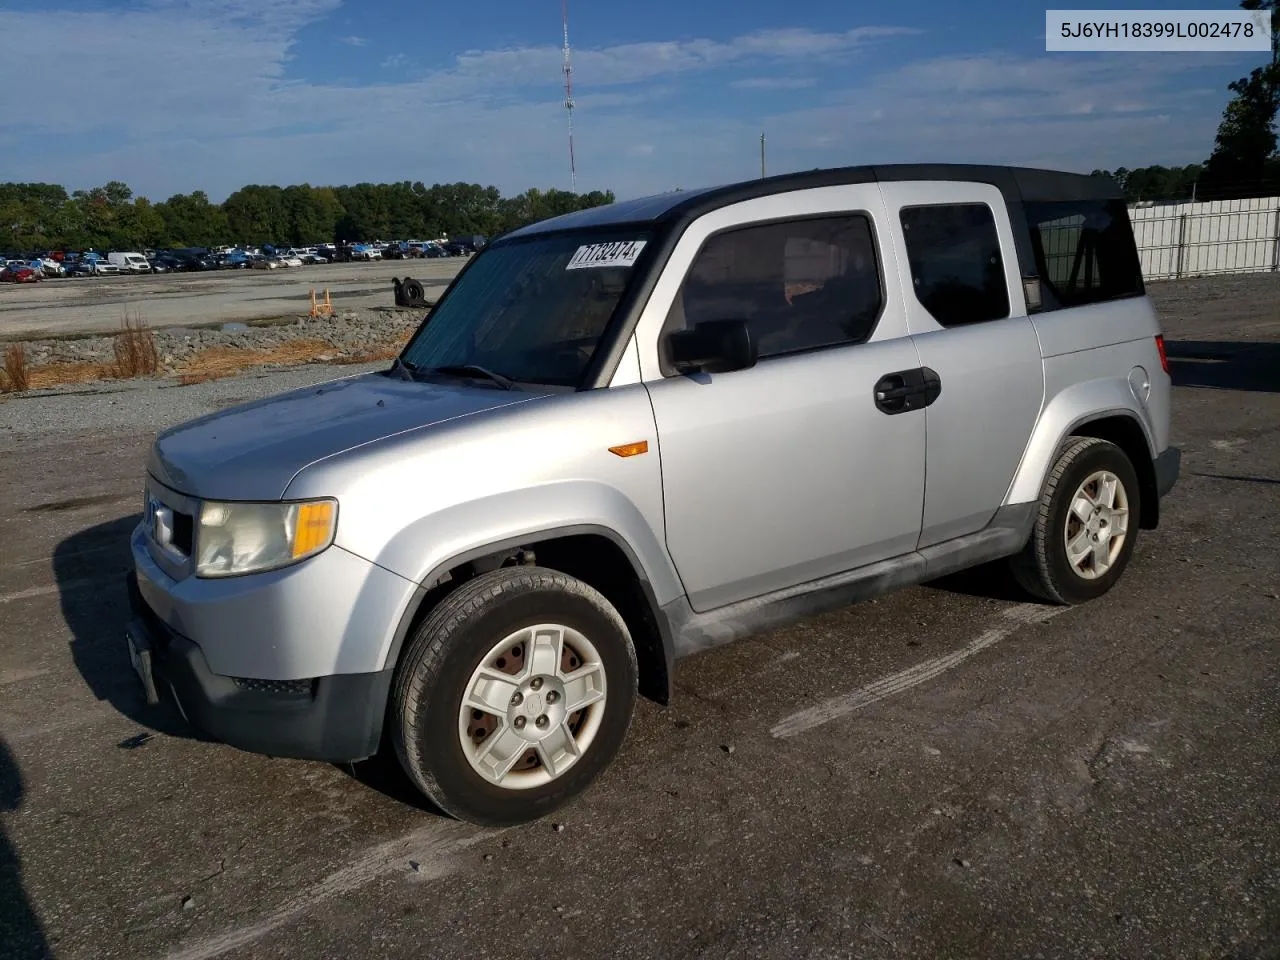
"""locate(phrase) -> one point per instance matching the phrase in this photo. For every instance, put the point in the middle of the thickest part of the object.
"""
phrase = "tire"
(1044, 568)
(413, 291)
(483, 624)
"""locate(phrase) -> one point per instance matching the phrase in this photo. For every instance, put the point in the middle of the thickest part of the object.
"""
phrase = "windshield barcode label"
(622, 253)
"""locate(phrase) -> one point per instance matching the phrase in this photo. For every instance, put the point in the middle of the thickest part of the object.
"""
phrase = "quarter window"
(956, 268)
(799, 284)
(1085, 251)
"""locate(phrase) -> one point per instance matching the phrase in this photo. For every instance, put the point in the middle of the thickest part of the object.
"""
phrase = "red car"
(18, 273)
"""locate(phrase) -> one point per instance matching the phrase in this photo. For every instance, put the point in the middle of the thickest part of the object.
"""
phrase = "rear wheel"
(1086, 527)
(514, 694)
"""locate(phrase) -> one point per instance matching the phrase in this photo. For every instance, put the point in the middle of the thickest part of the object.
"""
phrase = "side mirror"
(714, 346)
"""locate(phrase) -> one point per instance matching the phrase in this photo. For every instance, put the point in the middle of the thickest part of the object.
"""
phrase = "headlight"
(236, 538)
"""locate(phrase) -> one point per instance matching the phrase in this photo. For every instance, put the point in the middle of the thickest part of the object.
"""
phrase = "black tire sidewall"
(458, 788)
(1071, 585)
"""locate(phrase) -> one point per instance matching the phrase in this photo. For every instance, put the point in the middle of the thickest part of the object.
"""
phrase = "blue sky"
(176, 95)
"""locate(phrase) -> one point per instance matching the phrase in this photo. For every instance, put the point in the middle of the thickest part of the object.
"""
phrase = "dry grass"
(135, 350)
(215, 363)
(66, 374)
(15, 368)
(135, 355)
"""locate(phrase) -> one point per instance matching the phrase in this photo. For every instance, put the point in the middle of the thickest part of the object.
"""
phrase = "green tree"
(190, 220)
(1244, 162)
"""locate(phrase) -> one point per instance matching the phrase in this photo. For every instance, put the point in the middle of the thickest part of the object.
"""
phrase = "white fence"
(1199, 239)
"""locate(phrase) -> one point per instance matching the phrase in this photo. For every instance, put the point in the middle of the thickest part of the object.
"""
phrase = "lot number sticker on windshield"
(621, 253)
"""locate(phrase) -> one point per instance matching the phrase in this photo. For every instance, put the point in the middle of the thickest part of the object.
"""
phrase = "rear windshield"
(531, 310)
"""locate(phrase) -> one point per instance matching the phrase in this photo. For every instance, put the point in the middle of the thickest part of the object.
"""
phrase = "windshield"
(531, 310)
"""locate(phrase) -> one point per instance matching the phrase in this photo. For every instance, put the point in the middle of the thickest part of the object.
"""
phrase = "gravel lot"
(97, 304)
(1100, 782)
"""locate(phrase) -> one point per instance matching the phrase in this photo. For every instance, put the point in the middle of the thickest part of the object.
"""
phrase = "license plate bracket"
(140, 659)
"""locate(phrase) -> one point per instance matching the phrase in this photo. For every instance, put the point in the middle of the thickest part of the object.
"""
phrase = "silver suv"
(634, 432)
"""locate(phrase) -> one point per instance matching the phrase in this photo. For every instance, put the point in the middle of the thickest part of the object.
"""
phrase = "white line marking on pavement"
(896, 683)
(433, 848)
(71, 586)
(18, 674)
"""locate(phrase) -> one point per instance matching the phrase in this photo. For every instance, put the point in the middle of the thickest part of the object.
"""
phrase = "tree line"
(43, 216)
(1244, 162)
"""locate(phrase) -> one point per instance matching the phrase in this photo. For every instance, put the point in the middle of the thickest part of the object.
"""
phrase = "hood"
(253, 451)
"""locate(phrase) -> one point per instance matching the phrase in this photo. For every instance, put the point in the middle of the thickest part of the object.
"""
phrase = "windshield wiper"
(473, 369)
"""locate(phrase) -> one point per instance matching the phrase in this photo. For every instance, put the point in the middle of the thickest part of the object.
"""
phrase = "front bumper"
(1168, 465)
(336, 718)
(335, 613)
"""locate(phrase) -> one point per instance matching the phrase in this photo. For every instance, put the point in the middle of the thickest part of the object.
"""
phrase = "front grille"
(281, 688)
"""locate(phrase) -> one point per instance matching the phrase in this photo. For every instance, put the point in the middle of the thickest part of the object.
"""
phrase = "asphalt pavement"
(947, 772)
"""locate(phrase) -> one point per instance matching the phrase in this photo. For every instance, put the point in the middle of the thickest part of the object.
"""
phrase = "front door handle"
(907, 390)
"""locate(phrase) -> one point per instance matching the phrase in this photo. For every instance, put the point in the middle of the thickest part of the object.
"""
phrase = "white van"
(130, 262)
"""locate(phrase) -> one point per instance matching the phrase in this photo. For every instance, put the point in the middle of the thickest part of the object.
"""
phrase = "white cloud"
(354, 41)
(395, 60)
(227, 112)
(774, 83)
(634, 62)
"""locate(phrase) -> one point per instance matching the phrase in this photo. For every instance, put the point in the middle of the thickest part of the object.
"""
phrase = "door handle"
(907, 390)
(893, 393)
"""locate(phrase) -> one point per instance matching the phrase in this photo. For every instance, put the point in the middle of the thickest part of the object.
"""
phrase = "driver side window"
(800, 284)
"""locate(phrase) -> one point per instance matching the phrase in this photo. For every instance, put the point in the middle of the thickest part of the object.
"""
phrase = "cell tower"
(568, 93)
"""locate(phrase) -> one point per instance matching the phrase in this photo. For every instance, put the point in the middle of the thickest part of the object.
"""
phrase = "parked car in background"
(167, 263)
(261, 261)
(365, 251)
(402, 250)
(19, 271)
(289, 259)
(236, 260)
(129, 262)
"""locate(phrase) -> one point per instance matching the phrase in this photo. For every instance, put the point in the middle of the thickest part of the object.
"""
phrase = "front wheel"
(513, 695)
(1086, 526)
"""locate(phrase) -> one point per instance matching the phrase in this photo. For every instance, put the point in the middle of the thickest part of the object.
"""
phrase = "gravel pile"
(145, 406)
(351, 333)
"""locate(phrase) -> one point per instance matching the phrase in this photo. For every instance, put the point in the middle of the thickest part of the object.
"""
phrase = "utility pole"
(761, 154)
(567, 69)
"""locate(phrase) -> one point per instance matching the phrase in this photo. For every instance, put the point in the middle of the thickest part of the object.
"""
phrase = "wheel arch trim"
(410, 615)
(1069, 411)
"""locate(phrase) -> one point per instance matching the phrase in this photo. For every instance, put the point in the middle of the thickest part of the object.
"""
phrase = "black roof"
(1016, 183)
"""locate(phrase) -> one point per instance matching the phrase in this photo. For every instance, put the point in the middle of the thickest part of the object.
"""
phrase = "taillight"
(1164, 357)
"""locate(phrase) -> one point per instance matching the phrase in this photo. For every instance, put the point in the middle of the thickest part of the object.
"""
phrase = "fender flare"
(1072, 408)
(600, 510)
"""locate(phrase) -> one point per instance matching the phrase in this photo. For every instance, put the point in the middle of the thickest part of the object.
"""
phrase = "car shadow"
(89, 567)
(1252, 366)
(990, 581)
(383, 774)
(21, 934)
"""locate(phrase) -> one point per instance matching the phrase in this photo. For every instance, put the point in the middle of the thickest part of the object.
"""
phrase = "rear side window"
(957, 271)
(799, 284)
(1085, 251)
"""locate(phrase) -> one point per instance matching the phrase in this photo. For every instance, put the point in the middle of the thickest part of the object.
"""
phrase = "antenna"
(568, 93)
